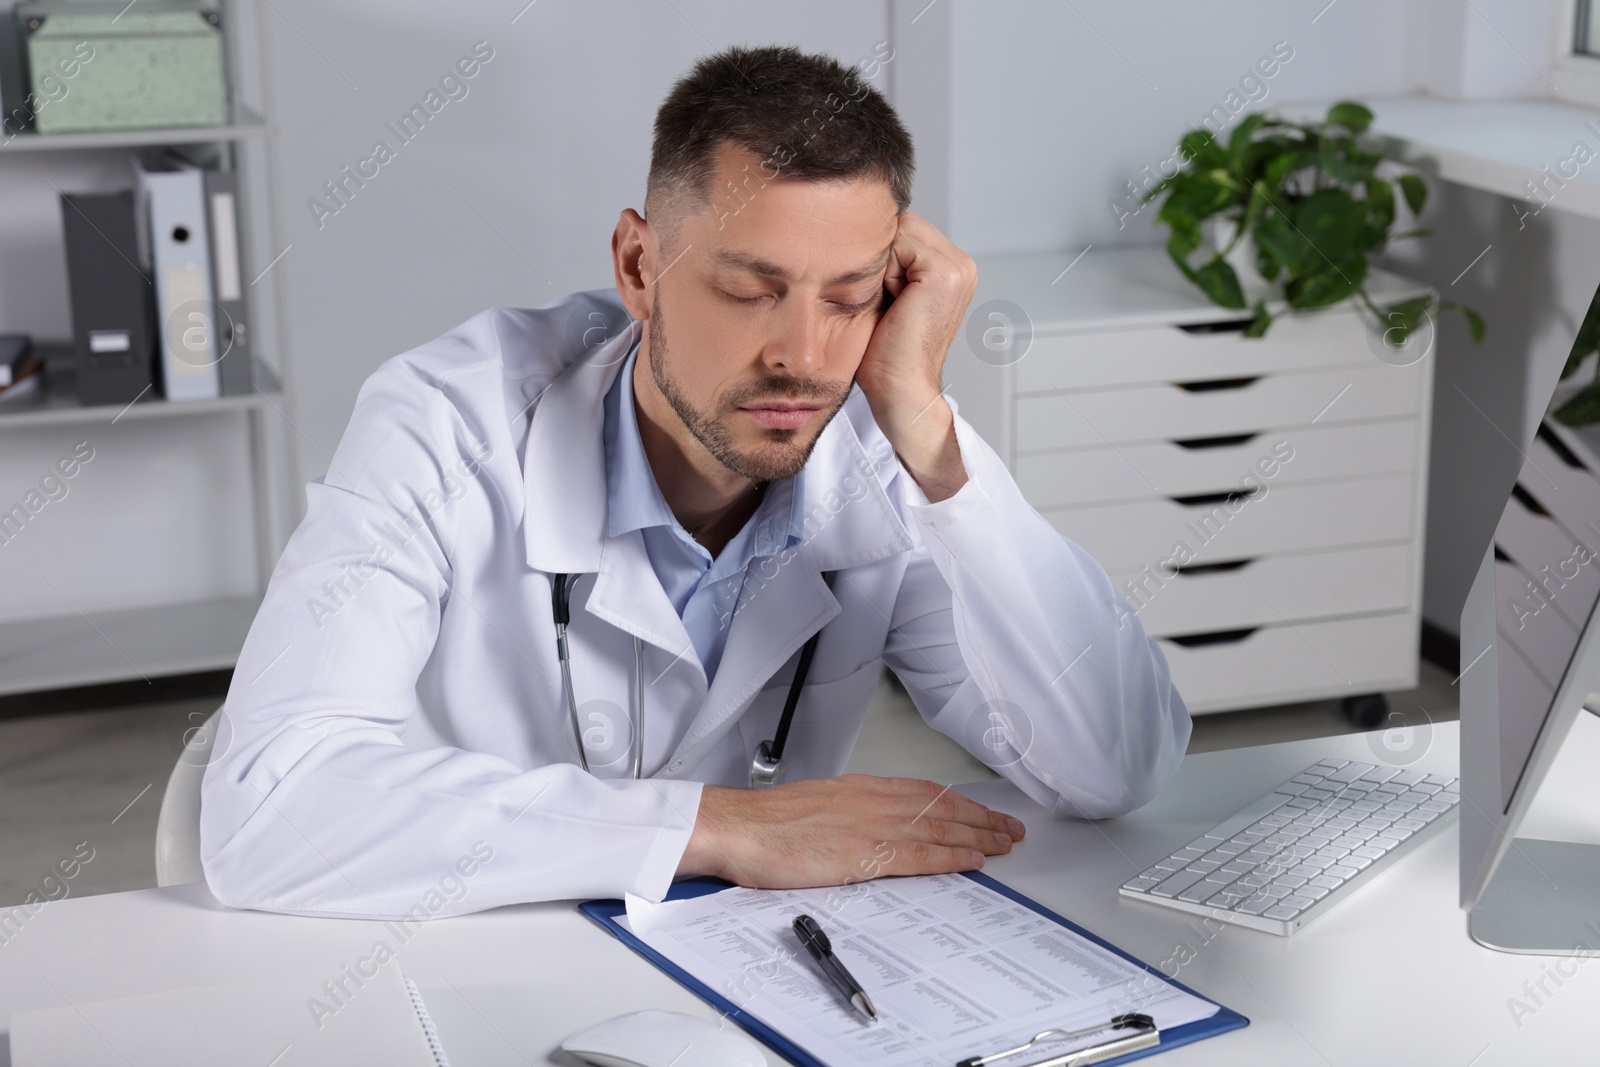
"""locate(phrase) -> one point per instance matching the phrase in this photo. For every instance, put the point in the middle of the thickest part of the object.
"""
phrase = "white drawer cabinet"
(1259, 502)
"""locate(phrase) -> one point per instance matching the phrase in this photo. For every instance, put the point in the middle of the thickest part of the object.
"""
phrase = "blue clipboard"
(606, 913)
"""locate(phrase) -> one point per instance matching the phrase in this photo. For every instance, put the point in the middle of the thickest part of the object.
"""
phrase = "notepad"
(259, 1020)
(957, 966)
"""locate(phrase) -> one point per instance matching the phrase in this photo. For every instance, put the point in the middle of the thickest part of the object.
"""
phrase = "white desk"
(1388, 977)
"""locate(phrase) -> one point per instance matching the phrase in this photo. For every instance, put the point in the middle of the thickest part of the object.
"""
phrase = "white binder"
(179, 242)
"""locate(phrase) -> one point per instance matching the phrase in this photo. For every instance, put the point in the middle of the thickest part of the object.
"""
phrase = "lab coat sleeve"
(312, 804)
(1012, 641)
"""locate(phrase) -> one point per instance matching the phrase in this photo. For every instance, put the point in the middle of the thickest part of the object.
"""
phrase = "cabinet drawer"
(1285, 664)
(1266, 591)
(1170, 353)
(1210, 465)
(1290, 518)
(1173, 412)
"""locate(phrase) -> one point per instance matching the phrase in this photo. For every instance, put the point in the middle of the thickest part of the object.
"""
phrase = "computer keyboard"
(1286, 859)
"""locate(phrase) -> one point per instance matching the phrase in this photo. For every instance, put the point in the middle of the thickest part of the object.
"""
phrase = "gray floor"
(97, 776)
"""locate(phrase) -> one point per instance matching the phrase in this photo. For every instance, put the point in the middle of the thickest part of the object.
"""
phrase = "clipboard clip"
(1145, 1035)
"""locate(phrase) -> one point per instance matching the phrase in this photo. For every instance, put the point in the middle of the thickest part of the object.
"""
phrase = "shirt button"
(675, 765)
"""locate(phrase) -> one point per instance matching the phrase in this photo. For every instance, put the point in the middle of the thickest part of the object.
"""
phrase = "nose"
(797, 349)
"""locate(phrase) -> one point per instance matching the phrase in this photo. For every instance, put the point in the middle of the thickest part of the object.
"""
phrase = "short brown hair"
(808, 117)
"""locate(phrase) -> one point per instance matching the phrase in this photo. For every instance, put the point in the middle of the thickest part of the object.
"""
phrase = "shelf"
(246, 124)
(58, 403)
(109, 646)
(1494, 145)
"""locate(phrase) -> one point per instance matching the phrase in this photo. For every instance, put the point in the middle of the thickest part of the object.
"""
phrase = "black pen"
(816, 943)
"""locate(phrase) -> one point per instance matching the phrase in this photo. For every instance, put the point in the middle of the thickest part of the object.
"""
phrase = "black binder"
(113, 301)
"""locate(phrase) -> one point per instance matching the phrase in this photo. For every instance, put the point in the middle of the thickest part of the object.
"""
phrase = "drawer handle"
(1195, 570)
(1225, 326)
(1213, 385)
(1216, 637)
(1207, 499)
(1225, 441)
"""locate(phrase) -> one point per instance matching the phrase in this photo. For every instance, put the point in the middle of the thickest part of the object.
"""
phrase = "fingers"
(921, 857)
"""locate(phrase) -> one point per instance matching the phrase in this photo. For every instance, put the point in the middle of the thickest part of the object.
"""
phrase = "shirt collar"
(634, 500)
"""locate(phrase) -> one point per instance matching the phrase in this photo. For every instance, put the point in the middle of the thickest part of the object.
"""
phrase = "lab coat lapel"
(564, 518)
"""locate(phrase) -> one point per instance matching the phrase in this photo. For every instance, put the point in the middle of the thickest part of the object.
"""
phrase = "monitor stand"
(1544, 899)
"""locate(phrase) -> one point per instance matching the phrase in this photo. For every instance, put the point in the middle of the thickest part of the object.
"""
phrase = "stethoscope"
(766, 768)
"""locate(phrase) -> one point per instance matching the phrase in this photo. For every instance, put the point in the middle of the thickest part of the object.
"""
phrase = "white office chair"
(178, 827)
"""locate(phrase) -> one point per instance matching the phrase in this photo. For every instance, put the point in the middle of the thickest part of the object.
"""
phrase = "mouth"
(781, 414)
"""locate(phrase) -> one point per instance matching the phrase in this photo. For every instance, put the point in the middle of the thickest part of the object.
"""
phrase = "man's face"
(772, 293)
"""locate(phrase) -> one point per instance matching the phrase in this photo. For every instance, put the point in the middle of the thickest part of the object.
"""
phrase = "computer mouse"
(654, 1038)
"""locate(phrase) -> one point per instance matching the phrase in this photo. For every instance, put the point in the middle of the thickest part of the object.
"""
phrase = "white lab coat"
(396, 711)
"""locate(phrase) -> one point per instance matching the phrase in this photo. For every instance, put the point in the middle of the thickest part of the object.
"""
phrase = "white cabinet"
(1259, 501)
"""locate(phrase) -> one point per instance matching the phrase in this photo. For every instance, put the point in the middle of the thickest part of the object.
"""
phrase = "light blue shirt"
(704, 591)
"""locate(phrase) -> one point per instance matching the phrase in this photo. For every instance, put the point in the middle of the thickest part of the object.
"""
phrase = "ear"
(633, 256)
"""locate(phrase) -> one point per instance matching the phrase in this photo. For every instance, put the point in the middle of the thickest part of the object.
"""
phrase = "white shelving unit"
(1137, 414)
(154, 560)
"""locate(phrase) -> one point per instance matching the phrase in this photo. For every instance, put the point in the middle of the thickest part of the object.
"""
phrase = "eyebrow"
(757, 265)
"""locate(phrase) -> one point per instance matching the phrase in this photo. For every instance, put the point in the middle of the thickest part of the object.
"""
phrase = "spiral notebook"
(958, 966)
(325, 1018)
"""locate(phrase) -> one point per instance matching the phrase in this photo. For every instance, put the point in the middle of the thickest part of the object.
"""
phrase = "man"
(744, 446)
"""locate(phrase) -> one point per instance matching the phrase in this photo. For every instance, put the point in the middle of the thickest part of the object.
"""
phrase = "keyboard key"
(1315, 794)
(1236, 868)
(1281, 912)
(1188, 855)
(1297, 901)
(1360, 863)
(1434, 806)
(1370, 853)
(1226, 849)
(1176, 884)
(1331, 762)
(1408, 777)
(1440, 779)
(1326, 881)
(1349, 772)
(1277, 892)
(1204, 866)
(1201, 891)
(1321, 863)
(1380, 774)
(1252, 881)
(1366, 805)
(1386, 841)
(1343, 870)
(1140, 884)
(1315, 892)
(1415, 797)
(1255, 905)
(1228, 898)
(1307, 778)
(1333, 852)
(1294, 879)
(1398, 832)
(1300, 802)
(1291, 789)
(1341, 823)
(1427, 787)
(1390, 788)
(1410, 824)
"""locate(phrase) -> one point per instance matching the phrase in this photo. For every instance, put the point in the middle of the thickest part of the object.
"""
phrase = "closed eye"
(849, 309)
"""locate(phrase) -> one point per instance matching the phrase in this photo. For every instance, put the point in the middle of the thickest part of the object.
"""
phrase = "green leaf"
(1351, 115)
(1340, 158)
(1474, 323)
(1258, 325)
(1267, 264)
(1328, 286)
(1239, 141)
(1200, 148)
(1218, 281)
(1416, 192)
(1331, 220)
(1582, 409)
(1380, 202)
(1284, 243)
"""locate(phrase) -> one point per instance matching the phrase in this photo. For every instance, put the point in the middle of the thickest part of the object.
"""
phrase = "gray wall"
(1029, 116)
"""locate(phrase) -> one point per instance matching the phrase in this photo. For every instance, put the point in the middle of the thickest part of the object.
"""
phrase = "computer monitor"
(1530, 654)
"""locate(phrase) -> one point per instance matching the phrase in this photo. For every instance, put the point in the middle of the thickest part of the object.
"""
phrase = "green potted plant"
(1299, 210)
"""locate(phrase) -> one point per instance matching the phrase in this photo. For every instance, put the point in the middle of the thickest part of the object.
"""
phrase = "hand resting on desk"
(832, 831)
